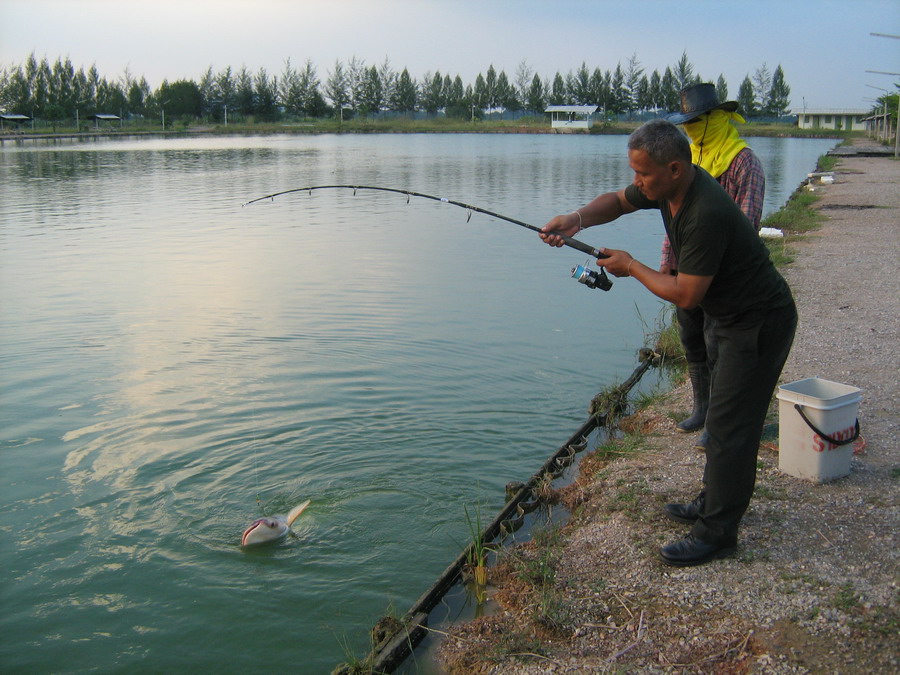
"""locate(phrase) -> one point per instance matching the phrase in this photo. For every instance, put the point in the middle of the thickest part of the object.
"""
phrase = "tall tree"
(779, 94)
(506, 93)
(371, 94)
(535, 100)
(243, 92)
(746, 99)
(137, 96)
(580, 86)
(388, 77)
(404, 99)
(721, 89)
(642, 99)
(455, 102)
(634, 71)
(40, 91)
(356, 73)
(62, 87)
(618, 94)
(226, 91)
(290, 93)
(91, 86)
(669, 91)
(265, 101)
(490, 88)
(599, 86)
(524, 78)
(432, 94)
(478, 99)
(208, 93)
(313, 102)
(684, 73)
(337, 89)
(655, 93)
(762, 84)
(558, 93)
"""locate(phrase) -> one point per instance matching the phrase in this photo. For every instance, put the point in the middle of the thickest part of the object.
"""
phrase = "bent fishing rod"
(588, 277)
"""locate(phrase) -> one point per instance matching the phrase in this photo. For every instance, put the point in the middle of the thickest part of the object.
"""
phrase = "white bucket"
(819, 447)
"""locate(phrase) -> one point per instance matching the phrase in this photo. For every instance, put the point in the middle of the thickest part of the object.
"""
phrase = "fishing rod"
(588, 277)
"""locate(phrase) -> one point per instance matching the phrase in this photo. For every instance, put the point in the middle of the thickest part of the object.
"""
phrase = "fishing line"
(598, 279)
(255, 455)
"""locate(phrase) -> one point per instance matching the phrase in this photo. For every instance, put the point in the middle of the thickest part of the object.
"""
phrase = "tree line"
(59, 91)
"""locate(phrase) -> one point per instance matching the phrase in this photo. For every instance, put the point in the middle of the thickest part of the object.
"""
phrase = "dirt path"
(814, 585)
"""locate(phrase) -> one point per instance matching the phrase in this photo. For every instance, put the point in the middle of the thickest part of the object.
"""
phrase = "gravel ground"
(813, 587)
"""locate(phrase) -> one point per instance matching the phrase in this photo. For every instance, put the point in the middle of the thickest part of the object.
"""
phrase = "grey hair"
(662, 141)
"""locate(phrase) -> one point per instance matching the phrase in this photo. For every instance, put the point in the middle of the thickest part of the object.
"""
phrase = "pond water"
(174, 365)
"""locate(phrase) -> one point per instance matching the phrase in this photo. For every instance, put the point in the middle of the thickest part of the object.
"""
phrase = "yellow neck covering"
(714, 140)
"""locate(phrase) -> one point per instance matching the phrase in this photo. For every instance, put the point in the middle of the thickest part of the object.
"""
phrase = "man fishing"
(724, 268)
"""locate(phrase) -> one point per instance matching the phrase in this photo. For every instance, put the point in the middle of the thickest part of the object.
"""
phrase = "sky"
(824, 47)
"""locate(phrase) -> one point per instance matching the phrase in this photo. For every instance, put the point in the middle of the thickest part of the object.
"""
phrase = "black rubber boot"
(702, 441)
(699, 374)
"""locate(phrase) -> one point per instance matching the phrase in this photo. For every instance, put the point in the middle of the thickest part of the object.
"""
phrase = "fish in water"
(266, 530)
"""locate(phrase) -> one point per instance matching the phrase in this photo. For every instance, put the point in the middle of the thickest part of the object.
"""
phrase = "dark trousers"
(752, 352)
(696, 331)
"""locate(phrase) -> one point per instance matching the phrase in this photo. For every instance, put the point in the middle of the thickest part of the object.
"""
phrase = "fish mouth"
(249, 530)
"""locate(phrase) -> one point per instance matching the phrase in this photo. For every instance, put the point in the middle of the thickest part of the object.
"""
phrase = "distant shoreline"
(394, 127)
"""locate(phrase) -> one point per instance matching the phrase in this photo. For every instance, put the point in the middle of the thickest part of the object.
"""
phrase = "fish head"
(264, 530)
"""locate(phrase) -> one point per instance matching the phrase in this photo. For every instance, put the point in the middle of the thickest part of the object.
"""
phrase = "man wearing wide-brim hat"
(717, 147)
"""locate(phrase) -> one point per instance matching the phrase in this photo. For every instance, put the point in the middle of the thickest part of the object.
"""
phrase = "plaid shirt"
(745, 181)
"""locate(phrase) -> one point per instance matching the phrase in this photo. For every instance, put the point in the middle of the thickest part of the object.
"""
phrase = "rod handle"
(581, 246)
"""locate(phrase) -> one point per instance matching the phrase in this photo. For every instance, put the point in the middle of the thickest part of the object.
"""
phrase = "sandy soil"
(813, 587)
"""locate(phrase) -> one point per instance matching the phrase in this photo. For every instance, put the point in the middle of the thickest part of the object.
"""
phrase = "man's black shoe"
(692, 551)
(686, 513)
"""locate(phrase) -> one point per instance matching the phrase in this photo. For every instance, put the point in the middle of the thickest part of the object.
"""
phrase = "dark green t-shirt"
(711, 236)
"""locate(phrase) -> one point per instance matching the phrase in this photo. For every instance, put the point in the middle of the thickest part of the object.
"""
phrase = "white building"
(839, 119)
(571, 116)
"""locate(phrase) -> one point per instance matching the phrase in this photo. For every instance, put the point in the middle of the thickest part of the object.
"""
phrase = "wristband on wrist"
(628, 269)
(580, 223)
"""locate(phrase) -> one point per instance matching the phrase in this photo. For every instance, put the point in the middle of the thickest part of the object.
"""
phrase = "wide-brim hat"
(699, 99)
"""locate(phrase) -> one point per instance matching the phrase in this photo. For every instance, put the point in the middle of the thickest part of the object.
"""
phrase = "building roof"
(103, 116)
(830, 111)
(13, 117)
(586, 109)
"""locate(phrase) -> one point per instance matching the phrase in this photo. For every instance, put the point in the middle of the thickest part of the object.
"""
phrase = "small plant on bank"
(797, 216)
(537, 568)
(780, 253)
(515, 643)
(610, 403)
(353, 664)
(477, 553)
(667, 341)
(846, 598)
(827, 162)
(627, 445)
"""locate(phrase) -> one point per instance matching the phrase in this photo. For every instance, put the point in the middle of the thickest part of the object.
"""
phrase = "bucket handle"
(833, 441)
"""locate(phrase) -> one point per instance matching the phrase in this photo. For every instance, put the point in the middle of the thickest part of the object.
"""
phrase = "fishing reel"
(591, 278)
